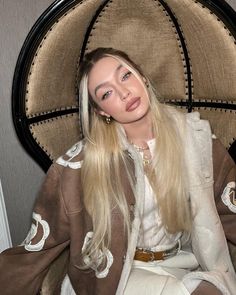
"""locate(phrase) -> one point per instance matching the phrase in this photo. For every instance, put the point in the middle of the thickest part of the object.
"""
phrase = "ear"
(145, 81)
(101, 112)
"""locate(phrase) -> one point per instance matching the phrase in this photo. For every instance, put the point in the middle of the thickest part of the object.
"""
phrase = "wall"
(232, 3)
(19, 174)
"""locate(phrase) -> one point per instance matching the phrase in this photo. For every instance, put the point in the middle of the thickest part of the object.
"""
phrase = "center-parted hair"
(106, 162)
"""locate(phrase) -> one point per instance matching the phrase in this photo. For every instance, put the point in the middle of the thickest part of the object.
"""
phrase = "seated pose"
(135, 200)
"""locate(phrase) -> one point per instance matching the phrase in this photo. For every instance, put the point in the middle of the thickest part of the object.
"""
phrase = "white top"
(152, 233)
(153, 236)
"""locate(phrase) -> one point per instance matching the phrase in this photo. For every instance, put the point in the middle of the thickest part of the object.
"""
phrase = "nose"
(124, 93)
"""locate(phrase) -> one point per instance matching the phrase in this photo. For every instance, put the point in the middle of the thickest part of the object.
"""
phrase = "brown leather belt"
(148, 255)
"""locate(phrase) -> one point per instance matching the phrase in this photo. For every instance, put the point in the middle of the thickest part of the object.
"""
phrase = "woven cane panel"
(223, 123)
(212, 50)
(56, 136)
(52, 78)
(145, 31)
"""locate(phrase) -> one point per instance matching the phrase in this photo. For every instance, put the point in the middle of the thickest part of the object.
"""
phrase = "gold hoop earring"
(108, 120)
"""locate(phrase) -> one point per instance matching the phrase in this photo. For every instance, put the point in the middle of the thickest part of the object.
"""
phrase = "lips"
(132, 104)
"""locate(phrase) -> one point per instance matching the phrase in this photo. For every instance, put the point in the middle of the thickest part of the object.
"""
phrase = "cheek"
(138, 86)
(112, 108)
(105, 108)
(115, 109)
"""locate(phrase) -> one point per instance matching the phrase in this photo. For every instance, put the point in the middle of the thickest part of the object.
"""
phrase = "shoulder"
(193, 124)
(65, 171)
(182, 114)
(188, 124)
(65, 176)
(73, 158)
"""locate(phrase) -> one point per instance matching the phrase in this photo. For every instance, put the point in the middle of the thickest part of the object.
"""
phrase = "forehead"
(103, 70)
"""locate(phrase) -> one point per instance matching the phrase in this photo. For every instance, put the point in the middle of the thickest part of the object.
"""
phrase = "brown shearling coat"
(60, 204)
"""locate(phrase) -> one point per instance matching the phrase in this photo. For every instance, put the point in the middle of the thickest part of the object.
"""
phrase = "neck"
(139, 132)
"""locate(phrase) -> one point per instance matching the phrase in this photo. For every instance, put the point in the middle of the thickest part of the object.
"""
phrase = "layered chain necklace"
(147, 158)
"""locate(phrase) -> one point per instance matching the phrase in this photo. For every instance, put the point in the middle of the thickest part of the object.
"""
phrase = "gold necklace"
(146, 159)
(139, 148)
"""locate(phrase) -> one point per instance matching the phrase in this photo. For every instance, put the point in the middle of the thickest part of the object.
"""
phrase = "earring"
(108, 120)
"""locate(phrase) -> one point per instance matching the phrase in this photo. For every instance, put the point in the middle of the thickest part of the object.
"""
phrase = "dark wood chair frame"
(223, 11)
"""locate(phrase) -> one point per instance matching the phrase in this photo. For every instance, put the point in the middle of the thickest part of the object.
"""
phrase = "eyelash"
(106, 94)
(125, 77)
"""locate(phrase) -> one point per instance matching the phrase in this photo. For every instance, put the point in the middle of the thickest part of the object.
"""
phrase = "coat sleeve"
(224, 192)
(24, 267)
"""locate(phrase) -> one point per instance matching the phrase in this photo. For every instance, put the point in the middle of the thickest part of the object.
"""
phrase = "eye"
(106, 95)
(126, 76)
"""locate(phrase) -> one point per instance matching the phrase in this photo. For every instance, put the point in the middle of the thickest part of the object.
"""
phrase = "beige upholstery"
(148, 37)
(148, 32)
(223, 123)
(212, 51)
(152, 41)
(54, 135)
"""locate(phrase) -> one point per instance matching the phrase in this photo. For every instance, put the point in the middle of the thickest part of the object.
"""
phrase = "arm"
(224, 192)
(23, 268)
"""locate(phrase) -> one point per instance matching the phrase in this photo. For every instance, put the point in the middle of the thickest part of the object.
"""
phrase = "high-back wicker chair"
(187, 48)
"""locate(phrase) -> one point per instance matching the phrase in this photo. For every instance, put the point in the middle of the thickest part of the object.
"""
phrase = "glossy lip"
(133, 104)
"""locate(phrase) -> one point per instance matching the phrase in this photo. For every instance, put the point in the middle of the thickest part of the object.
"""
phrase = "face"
(118, 92)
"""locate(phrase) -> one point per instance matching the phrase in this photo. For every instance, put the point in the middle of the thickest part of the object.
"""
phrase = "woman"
(134, 200)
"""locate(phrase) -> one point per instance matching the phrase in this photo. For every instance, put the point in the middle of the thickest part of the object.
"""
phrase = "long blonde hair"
(104, 157)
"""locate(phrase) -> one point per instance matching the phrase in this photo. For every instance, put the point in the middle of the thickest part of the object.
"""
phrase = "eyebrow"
(103, 84)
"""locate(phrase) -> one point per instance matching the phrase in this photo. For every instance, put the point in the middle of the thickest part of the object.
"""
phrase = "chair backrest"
(187, 48)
